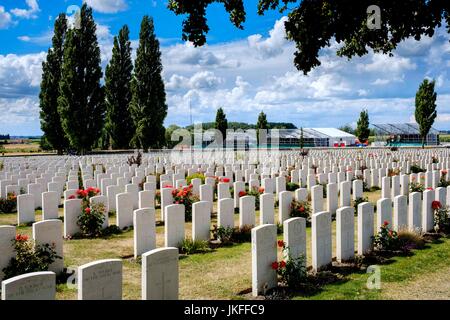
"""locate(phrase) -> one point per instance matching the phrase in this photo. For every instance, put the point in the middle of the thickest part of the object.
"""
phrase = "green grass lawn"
(225, 273)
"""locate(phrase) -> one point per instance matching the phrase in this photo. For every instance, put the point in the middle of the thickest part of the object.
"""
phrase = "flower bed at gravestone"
(301, 209)
(229, 236)
(186, 197)
(91, 218)
(443, 181)
(9, 204)
(193, 176)
(29, 257)
(358, 202)
(255, 192)
(416, 186)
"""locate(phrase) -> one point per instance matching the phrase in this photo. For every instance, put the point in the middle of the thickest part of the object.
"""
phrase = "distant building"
(403, 134)
(284, 139)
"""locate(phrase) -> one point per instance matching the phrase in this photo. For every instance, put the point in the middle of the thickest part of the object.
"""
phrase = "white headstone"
(51, 232)
(295, 237)
(30, 286)
(201, 220)
(365, 227)
(50, 203)
(25, 209)
(144, 230)
(264, 253)
(321, 240)
(7, 235)
(100, 280)
(267, 208)
(174, 225)
(247, 211)
(160, 280)
(124, 205)
(345, 234)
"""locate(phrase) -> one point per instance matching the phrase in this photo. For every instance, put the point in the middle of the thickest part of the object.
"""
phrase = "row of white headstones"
(174, 214)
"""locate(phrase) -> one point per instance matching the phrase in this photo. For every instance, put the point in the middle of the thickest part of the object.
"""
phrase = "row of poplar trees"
(78, 112)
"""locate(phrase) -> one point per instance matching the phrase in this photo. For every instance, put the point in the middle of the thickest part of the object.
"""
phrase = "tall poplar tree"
(148, 104)
(261, 125)
(119, 124)
(48, 97)
(362, 127)
(81, 101)
(221, 124)
(425, 112)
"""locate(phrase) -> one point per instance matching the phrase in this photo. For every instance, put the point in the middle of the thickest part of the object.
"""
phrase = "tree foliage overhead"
(312, 24)
(362, 127)
(119, 125)
(81, 97)
(425, 112)
(48, 96)
(148, 104)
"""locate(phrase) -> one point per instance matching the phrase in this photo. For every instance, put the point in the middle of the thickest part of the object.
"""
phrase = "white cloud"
(43, 39)
(30, 13)
(393, 65)
(204, 80)
(20, 75)
(108, 6)
(20, 116)
(272, 46)
(5, 18)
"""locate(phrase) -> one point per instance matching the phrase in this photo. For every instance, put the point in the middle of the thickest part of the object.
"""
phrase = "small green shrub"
(195, 176)
(29, 258)
(386, 239)
(243, 234)
(301, 209)
(358, 202)
(410, 239)
(8, 205)
(291, 186)
(111, 230)
(189, 246)
(416, 169)
(223, 234)
(91, 220)
(292, 271)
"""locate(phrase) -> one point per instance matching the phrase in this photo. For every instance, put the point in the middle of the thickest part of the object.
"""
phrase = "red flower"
(242, 193)
(168, 186)
(275, 265)
(385, 223)
(301, 209)
(444, 172)
(261, 190)
(80, 192)
(71, 197)
(87, 210)
(20, 237)
(97, 190)
(429, 188)
(281, 243)
(282, 264)
(436, 205)
(226, 180)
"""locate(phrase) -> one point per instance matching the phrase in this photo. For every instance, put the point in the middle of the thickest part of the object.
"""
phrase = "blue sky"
(243, 71)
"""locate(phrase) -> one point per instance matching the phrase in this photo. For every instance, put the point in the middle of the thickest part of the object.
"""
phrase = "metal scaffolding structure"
(403, 134)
